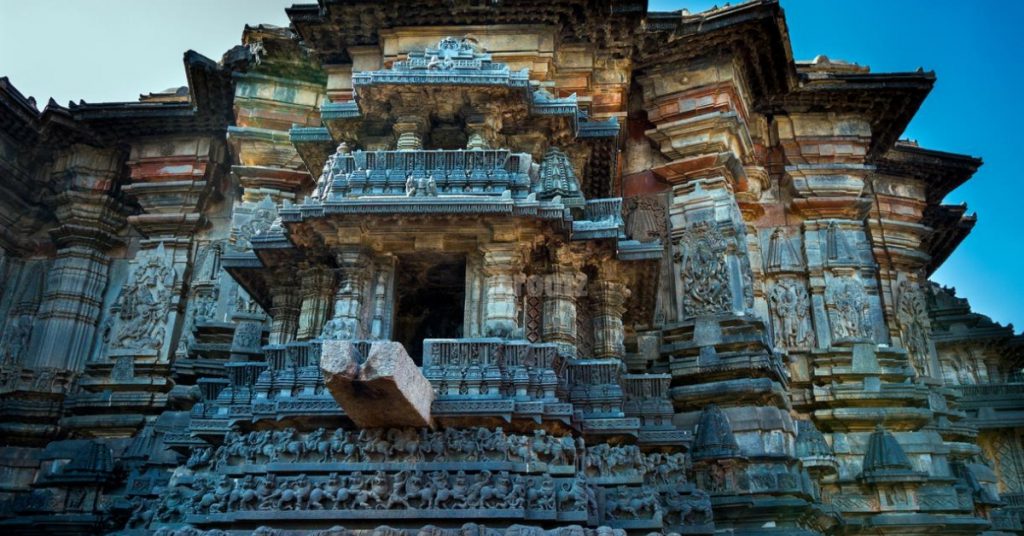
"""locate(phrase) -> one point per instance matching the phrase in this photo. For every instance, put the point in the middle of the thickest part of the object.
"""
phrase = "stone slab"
(384, 388)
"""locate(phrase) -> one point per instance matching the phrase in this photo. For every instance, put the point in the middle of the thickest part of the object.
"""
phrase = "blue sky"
(114, 50)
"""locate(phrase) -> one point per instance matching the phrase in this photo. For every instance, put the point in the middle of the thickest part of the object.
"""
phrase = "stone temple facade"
(497, 267)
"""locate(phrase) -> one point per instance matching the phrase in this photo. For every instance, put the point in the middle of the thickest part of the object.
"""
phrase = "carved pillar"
(560, 290)
(72, 302)
(381, 315)
(609, 298)
(285, 311)
(409, 133)
(502, 266)
(704, 125)
(473, 324)
(826, 171)
(71, 307)
(347, 321)
(317, 286)
(270, 173)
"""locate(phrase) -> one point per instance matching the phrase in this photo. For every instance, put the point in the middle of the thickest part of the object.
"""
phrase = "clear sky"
(113, 50)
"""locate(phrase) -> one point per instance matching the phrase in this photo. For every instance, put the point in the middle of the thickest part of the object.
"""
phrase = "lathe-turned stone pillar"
(609, 298)
(561, 288)
(347, 321)
(70, 309)
(409, 133)
(317, 287)
(285, 311)
(381, 314)
(502, 266)
(73, 298)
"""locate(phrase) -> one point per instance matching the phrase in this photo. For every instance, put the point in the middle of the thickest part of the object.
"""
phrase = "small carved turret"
(812, 449)
(476, 142)
(557, 177)
(885, 461)
(714, 438)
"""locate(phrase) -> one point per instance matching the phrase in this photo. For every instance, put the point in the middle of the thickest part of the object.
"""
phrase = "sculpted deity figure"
(848, 313)
(790, 307)
(261, 221)
(14, 340)
(703, 270)
(420, 187)
(142, 307)
(912, 315)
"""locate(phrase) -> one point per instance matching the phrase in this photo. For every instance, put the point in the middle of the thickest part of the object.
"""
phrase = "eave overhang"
(208, 111)
(755, 32)
(330, 27)
(888, 101)
(941, 172)
(950, 226)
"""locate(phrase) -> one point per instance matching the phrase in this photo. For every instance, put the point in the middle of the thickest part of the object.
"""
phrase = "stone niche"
(429, 299)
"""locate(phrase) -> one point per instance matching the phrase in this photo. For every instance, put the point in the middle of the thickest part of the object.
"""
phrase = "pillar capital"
(352, 259)
(89, 219)
(501, 258)
(610, 295)
(89, 223)
(172, 178)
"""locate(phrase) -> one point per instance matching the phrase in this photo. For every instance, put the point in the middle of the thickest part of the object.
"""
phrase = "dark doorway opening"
(430, 296)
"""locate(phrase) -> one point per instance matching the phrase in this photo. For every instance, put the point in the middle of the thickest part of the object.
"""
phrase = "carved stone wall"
(696, 294)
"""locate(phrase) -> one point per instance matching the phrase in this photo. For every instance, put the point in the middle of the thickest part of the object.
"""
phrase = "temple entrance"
(430, 290)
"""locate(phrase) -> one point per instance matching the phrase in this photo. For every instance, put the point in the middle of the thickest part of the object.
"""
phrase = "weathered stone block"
(383, 388)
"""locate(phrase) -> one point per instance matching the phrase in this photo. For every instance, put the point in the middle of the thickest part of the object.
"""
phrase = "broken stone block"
(383, 388)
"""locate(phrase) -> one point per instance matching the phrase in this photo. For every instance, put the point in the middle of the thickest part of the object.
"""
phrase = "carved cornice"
(172, 180)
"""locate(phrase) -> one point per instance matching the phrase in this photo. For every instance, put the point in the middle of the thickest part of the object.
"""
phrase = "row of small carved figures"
(275, 380)
(451, 444)
(395, 444)
(505, 380)
(438, 490)
(414, 489)
(468, 529)
(672, 507)
(466, 387)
